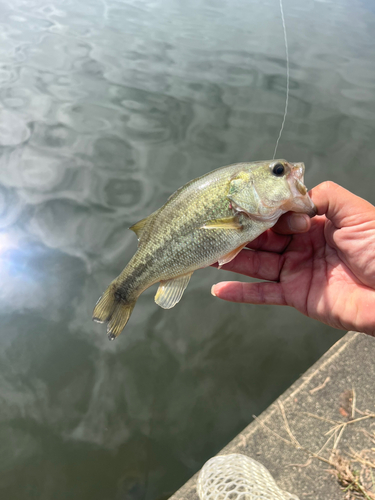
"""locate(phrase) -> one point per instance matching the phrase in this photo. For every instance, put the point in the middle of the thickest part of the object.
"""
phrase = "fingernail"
(212, 290)
(298, 223)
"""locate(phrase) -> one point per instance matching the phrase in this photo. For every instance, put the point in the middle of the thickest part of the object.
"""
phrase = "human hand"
(324, 267)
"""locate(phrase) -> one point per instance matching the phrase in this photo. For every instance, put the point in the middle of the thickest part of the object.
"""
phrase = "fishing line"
(287, 78)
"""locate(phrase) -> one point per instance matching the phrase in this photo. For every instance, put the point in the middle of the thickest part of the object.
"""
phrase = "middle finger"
(256, 264)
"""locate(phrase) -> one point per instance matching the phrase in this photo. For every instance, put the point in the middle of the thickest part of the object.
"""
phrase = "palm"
(327, 273)
(315, 279)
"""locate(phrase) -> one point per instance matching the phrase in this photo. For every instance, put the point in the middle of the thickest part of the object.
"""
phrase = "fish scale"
(208, 220)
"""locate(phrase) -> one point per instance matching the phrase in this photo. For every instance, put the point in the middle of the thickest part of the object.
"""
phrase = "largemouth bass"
(208, 220)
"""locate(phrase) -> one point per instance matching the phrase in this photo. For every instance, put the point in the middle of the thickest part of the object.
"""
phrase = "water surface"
(106, 108)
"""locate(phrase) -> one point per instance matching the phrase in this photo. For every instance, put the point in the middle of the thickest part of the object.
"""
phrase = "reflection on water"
(106, 108)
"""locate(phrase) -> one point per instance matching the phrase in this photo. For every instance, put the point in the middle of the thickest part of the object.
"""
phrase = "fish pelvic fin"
(113, 308)
(230, 256)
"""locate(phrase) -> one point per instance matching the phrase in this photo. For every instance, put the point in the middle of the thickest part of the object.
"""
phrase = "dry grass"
(354, 471)
(357, 482)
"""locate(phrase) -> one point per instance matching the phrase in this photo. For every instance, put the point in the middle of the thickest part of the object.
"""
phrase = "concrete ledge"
(325, 391)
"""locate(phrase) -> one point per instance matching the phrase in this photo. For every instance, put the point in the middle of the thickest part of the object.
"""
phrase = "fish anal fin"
(170, 291)
(224, 223)
(138, 227)
(230, 256)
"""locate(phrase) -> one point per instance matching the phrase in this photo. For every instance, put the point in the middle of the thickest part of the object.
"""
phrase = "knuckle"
(329, 186)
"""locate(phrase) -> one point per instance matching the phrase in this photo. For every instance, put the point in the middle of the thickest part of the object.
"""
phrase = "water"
(107, 108)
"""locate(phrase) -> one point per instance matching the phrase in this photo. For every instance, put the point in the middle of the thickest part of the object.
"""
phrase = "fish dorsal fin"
(224, 223)
(137, 228)
(170, 292)
(230, 256)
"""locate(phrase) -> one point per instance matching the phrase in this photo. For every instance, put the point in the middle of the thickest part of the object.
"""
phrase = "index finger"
(277, 239)
(269, 241)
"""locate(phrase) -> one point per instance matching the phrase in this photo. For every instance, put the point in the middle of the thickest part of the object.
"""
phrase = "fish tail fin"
(114, 309)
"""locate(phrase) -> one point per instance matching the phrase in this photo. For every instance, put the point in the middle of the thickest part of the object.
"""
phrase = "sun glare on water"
(7, 243)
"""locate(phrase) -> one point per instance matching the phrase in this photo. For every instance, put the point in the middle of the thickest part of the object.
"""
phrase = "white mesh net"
(238, 477)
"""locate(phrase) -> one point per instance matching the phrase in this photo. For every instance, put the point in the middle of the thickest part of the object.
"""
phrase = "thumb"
(340, 206)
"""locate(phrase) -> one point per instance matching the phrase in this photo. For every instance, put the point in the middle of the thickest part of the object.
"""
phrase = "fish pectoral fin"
(230, 256)
(170, 292)
(224, 223)
(137, 228)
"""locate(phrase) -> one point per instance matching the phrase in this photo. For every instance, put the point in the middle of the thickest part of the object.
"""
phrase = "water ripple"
(115, 153)
(105, 109)
(13, 130)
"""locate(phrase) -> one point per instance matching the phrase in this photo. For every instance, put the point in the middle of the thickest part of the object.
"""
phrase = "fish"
(208, 220)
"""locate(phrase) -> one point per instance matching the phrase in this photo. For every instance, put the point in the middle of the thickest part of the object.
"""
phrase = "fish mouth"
(300, 201)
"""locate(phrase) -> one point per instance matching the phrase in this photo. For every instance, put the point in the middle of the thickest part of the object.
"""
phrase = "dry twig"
(353, 481)
(320, 387)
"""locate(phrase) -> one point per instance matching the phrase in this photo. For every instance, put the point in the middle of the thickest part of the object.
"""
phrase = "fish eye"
(278, 169)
